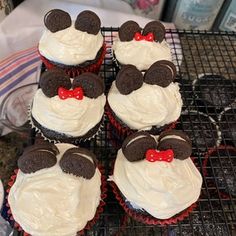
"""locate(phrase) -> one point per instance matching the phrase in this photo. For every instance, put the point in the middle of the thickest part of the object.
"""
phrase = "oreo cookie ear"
(160, 73)
(136, 145)
(157, 28)
(79, 162)
(93, 86)
(88, 21)
(38, 157)
(128, 30)
(52, 80)
(128, 79)
(178, 142)
(56, 20)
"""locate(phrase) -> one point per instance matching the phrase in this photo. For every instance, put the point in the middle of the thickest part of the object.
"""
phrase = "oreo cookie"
(128, 30)
(50, 147)
(92, 85)
(32, 161)
(52, 80)
(88, 21)
(56, 20)
(128, 79)
(136, 145)
(161, 73)
(77, 161)
(178, 142)
(157, 28)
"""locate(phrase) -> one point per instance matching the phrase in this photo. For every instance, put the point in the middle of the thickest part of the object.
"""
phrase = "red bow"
(156, 155)
(76, 93)
(149, 37)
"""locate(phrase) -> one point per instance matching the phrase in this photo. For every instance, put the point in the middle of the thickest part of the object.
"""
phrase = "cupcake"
(66, 110)
(205, 221)
(150, 102)
(154, 178)
(214, 92)
(201, 128)
(74, 46)
(141, 47)
(227, 123)
(57, 190)
(219, 166)
(1, 195)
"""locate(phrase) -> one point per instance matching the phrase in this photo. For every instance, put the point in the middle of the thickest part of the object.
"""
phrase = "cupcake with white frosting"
(150, 101)
(154, 178)
(74, 46)
(141, 47)
(58, 190)
(68, 110)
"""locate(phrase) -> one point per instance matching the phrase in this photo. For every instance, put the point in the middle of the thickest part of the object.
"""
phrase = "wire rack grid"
(196, 54)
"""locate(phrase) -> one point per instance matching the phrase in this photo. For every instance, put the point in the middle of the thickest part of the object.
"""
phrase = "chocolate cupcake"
(154, 178)
(74, 46)
(66, 110)
(219, 167)
(150, 102)
(202, 222)
(227, 124)
(201, 128)
(140, 47)
(214, 92)
(60, 184)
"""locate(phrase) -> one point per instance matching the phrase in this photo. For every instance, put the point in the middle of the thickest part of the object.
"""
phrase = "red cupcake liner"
(123, 131)
(89, 224)
(148, 219)
(223, 195)
(76, 70)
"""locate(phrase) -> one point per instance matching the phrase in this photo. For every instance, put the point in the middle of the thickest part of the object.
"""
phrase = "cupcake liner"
(118, 131)
(89, 224)
(223, 194)
(74, 71)
(70, 139)
(148, 219)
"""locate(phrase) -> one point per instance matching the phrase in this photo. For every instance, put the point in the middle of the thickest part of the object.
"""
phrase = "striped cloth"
(18, 69)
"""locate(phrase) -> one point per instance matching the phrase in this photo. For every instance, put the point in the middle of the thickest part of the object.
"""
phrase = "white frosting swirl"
(50, 202)
(71, 116)
(150, 105)
(160, 188)
(142, 54)
(70, 46)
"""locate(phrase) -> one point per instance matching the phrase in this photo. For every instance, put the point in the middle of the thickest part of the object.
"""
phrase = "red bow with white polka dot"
(153, 155)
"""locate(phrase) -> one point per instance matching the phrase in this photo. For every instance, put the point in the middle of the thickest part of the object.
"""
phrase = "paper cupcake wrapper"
(76, 70)
(223, 195)
(148, 219)
(118, 131)
(75, 140)
(89, 224)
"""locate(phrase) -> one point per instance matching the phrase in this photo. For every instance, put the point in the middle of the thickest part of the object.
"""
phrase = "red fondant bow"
(156, 155)
(149, 37)
(75, 93)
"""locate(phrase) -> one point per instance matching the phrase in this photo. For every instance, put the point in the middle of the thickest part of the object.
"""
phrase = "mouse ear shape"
(79, 162)
(93, 86)
(56, 20)
(128, 79)
(88, 21)
(128, 30)
(38, 157)
(136, 145)
(157, 28)
(160, 73)
(176, 140)
(52, 80)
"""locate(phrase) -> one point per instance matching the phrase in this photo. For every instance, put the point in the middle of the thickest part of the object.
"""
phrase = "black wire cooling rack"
(196, 54)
